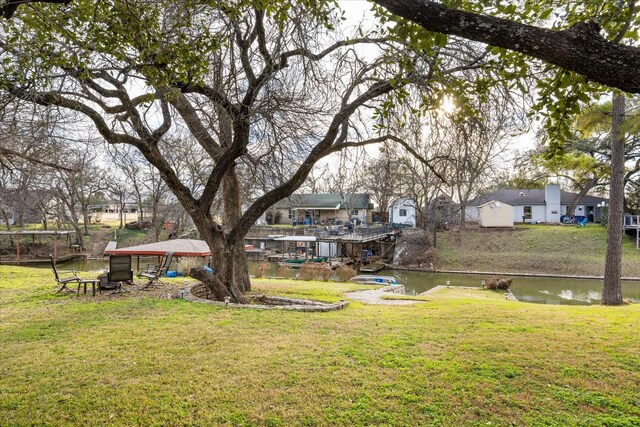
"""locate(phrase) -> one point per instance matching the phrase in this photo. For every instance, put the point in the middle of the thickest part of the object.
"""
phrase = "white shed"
(495, 214)
(403, 211)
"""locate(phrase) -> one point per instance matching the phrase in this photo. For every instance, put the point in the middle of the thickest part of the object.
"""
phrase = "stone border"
(276, 303)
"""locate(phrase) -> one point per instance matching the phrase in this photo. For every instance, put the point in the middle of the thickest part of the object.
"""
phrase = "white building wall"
(518, 211)
(410, 218)
(538, 214)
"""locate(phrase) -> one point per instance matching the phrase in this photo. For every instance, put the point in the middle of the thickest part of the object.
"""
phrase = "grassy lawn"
(533, 249)
(463, 358)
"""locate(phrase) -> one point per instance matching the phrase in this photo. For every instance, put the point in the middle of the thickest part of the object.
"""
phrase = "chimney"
(552, 200)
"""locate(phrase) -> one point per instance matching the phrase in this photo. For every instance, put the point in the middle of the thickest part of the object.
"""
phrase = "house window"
(290, 213)
(402, 212)
(527, 212)
(354, 212)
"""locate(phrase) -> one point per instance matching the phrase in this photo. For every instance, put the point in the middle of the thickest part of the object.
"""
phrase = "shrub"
(284, 271)
(325, 272)
(426, 258)
(184, 265)
(138, 225)
(499, 283)
(313, 271)
(261, 269)
(345, 273)
(307, 272)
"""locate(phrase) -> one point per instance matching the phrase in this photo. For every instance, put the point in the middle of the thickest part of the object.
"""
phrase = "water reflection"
(541, 290)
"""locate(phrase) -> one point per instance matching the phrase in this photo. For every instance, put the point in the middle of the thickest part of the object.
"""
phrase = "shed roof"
(531, 197)
(326, 201)
(297, 239)
(495, 201)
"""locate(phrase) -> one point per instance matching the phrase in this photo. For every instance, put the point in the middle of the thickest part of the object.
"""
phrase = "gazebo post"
(18, 248)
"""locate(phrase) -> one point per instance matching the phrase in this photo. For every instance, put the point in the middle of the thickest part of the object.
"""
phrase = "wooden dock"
(374, 267)
(332, 242)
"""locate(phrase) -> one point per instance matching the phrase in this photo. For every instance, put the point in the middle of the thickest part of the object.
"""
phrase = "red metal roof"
(179, 247)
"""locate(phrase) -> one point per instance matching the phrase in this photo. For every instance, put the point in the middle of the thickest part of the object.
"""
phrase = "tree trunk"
(76, 226)
(229, 261)
(232, 214)
(585, 189)
(156, 221)
(223, 264)
(612, 288)
(461, 225)
(5, 217)
(140, 208)
(212, 282)
(85, 218)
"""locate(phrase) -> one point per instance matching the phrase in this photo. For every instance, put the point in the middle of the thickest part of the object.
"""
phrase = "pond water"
(541, 290)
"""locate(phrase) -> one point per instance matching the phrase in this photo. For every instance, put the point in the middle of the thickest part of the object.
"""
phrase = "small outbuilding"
(403, 212)
(495, 214)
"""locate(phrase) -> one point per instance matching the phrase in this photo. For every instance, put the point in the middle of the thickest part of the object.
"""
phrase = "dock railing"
(359, 233)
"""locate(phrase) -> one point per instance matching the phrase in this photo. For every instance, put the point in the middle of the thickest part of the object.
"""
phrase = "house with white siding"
(533, 206)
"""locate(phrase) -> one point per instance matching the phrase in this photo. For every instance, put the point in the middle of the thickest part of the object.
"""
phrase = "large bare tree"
(257, 87)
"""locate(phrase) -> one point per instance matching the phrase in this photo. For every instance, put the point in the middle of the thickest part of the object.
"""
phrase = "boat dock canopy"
(296, 239)
(110, 247)
(179, 247)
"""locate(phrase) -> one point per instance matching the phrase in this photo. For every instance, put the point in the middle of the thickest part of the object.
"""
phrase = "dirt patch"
(99, 240)
(414, 250)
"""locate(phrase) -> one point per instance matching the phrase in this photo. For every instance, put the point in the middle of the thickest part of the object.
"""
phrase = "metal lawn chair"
(153, 272)
(70, 276)
(119, 271)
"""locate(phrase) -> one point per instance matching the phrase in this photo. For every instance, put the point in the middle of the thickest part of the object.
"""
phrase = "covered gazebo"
(179, 247)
